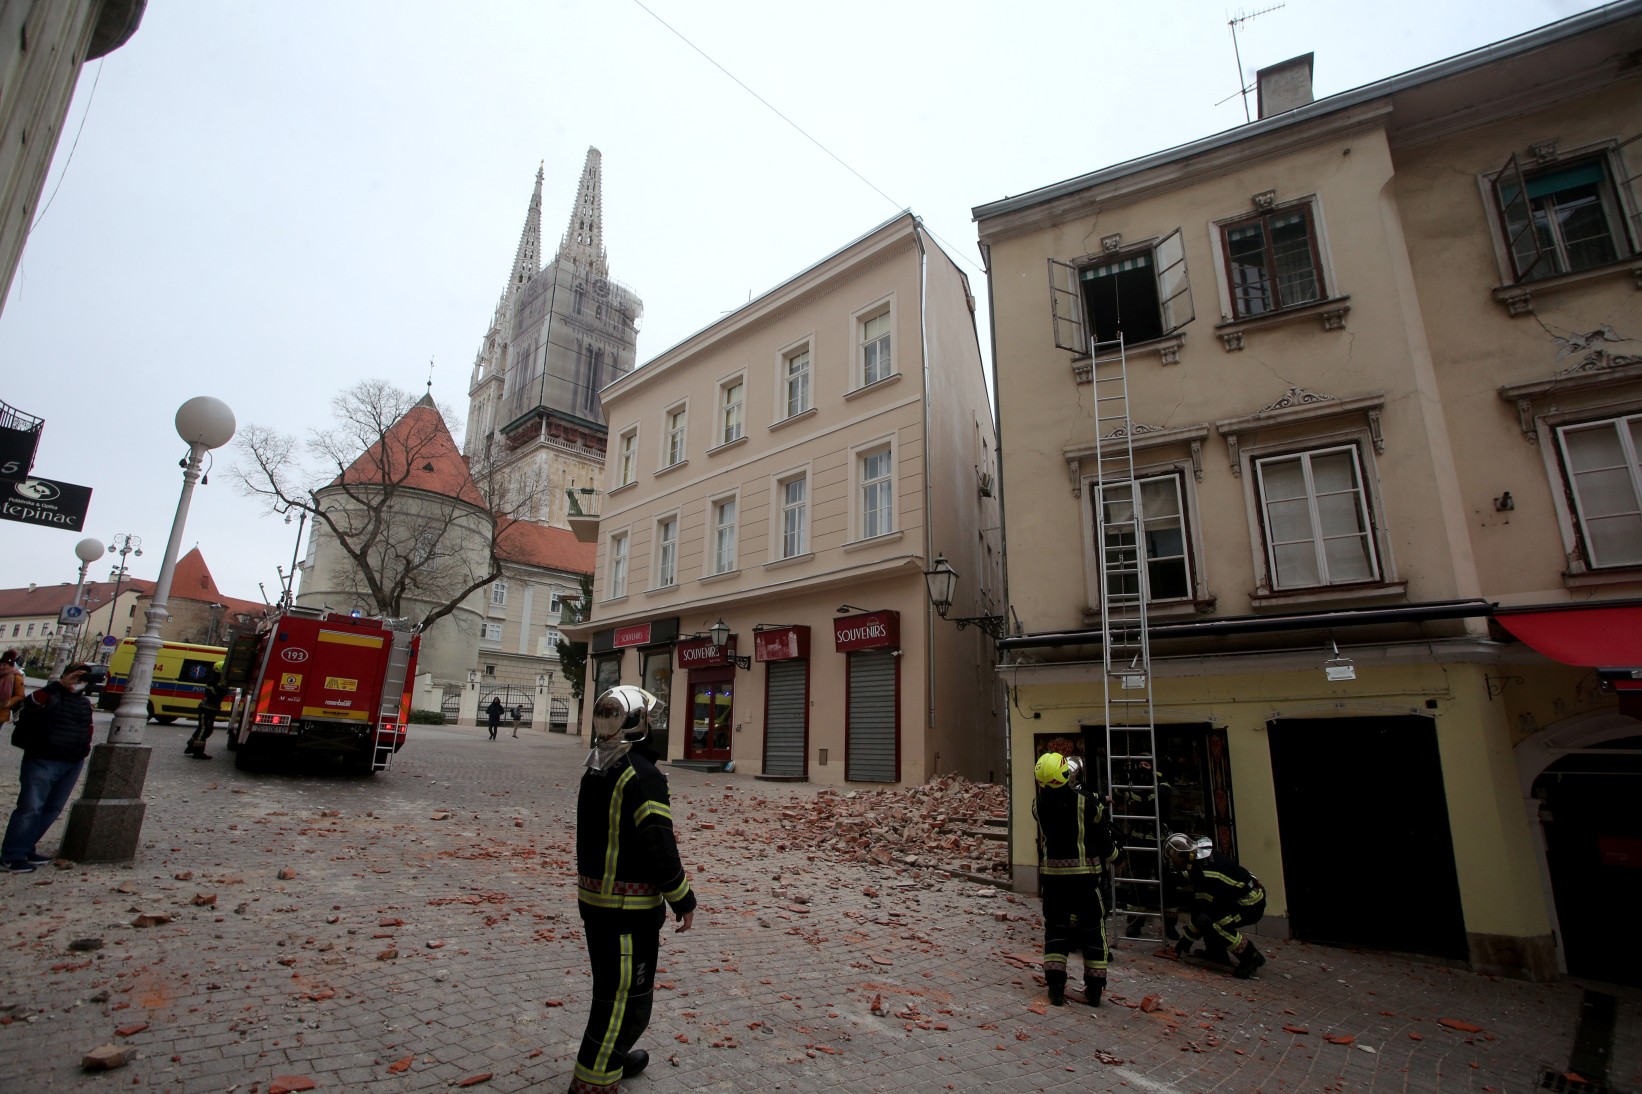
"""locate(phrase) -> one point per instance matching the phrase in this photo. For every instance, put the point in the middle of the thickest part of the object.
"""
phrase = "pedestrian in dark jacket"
(1224, 899)
(210, 707)
(629, 875)
(493, 715)
(1076, 845)
(57, 721)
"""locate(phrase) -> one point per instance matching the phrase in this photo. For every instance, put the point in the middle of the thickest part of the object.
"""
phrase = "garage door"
(785, 721)
(871, 735)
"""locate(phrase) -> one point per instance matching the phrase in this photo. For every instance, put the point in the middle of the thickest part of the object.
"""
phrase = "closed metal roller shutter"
(784, 718)
(871, 732)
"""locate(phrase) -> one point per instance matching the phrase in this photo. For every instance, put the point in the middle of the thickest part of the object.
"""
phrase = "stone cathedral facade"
(560, 333)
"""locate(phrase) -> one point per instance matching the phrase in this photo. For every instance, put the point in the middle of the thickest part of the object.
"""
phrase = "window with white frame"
(675, 437)
(498, 592)
(877, 480)
(1316, 521)
(554, 601)
(876, 359)
(730, 413)
(618, 565)
(1141, 294)
(1565, 215)
(1161, 527)
(795, 381)
(795, 505)
(1273, 260)
(666, 552)
(492, 632)
(1603, 464)
(724, 522)
(628, 458)
(552, 638)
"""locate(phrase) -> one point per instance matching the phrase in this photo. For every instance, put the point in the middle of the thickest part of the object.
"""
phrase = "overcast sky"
(268, 201)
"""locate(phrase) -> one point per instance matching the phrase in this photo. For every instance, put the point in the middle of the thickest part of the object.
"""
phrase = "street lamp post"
(106, 822)
(124, 544)
(88, 550)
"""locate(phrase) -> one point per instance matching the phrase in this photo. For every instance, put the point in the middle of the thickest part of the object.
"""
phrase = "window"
(1603, 462)
(1316, 518)
(876, 360)
(795, 371)
(1139, 294)
(498, 593)
(618, 565)
(1561, 218)
(675, 437)
(30, 632)
(492, 632)
(554, 601)
(730, 415)
(1163, 517)
(794, 516)
(877, 494)
(1272, 261)
(724, 536)
(552, 638)
(628, 460)
(667, 553)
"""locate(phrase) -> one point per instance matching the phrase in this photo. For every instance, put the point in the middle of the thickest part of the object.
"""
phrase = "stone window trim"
(1143, 438)
(800, 416)
(1301, 407)
(726, 446)
(1190, 472)
(1167, 349)
(882, 306)
(1518, 300)
(876, 385)
(1331, 312)
(1537, 401)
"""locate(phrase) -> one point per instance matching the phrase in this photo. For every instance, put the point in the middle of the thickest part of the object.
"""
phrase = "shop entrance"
(1368, 859)
(712, 711)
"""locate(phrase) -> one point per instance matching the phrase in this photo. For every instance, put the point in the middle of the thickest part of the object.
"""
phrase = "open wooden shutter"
(1174, 289)
(1629, 155)
(1066, 308)
(1517, 218)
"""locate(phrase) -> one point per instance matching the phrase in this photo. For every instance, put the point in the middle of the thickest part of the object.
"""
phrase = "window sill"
(658, 590)
(1617, 575)
(725, 576)
(1518, 299)
(874, 386)
(741, 440)
(1167, 610)
(624, 486)
(622, 599)
(1331, 312)
(1342, 595)
(669, 469)
(1167, 350)
(793, 561)
(785, 422)
(862, 544)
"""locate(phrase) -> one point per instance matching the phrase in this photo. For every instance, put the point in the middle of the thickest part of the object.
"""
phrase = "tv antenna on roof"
(1234, 22)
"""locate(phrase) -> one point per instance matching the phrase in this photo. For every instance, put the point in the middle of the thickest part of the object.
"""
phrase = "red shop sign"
(781, 644)
(870, 631)
(636, 635)
(698, 653)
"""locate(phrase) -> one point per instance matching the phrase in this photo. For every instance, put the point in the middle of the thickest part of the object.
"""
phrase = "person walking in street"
(13, 689)
(628, 865)
(1225, 898)
(493, 715)
(57, 727)
(517, 714)
(1075, 845)
(210, 707)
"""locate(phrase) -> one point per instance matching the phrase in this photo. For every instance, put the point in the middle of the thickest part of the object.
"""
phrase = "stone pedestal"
(105, 824)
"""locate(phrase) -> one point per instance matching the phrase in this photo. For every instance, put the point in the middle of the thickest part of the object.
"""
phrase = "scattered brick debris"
(107, 1057)
(1457, 1024)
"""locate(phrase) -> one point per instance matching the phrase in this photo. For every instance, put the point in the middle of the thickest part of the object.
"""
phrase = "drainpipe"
(929, 532)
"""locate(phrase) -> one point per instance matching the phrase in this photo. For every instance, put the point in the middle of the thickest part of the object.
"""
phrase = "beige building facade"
(787, 475)
(1385, 408)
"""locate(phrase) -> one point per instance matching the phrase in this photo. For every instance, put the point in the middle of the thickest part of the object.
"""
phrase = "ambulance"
(179, 678)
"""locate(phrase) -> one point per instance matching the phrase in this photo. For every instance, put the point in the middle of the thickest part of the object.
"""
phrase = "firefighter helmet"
(621, 719)
(1055, 770)
(1183, 850)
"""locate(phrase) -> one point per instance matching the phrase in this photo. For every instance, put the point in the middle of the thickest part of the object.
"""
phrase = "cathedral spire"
(583, 242)
(528, 259)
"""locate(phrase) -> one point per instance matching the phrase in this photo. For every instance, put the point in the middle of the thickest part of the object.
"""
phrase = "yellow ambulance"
(179, 678)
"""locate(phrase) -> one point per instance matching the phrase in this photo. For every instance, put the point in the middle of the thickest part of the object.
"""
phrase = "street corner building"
(1339, 562)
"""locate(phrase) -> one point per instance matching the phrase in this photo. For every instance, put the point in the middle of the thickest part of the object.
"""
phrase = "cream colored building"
(792, 470)
(1385, 402)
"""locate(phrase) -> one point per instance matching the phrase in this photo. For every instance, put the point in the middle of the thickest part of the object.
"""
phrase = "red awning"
(1605, 637)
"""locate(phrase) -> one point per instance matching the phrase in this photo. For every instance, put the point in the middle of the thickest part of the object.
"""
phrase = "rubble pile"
(948, 823)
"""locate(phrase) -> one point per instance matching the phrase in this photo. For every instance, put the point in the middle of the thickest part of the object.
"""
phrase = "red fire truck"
(321, 683)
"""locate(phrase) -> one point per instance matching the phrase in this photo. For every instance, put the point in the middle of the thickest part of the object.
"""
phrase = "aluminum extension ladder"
(393, 690)
(1131, 738)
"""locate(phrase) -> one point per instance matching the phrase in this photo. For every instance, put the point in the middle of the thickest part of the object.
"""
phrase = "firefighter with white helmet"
(629, 874)
(1075, 845)
(1225, 898)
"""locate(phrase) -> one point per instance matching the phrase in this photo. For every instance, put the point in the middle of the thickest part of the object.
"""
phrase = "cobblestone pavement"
(427, 935)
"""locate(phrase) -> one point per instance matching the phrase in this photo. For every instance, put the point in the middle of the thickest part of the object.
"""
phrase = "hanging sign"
(781, 643)
(699, 653)
(41, 501)
(868, 631)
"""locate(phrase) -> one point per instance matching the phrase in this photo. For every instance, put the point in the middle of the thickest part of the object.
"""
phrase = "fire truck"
(321, 683)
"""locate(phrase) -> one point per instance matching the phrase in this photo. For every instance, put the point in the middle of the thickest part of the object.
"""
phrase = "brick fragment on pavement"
(290, 1084)
(151, 919)
(107, 1057)
(286, 873)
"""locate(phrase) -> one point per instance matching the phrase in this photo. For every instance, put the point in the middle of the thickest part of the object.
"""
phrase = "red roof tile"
(416, 451)
(46, 599)
(550, 548)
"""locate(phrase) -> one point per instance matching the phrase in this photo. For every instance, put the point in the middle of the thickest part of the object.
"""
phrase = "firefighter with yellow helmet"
(1075, 846)
(1225, 898)
(210, 707)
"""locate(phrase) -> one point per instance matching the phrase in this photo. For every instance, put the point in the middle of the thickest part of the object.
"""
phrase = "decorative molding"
(1518, 299)
(1374, 431)
(1636, 276)
(1074, 467)
(1236, 464)
(1594, 371)
(1335, 318)
(1331, 311)
(1197, 460)
(1166, 348)
(1170, 355)
(1112, 242)
(1298, 406)
(1517, 302)
(1140, 437)
(1544, 152)
(1264, 200)
(1233, 340)
(1297, 396)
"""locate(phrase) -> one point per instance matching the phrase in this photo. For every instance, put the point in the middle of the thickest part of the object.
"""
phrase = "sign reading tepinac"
(42, 501)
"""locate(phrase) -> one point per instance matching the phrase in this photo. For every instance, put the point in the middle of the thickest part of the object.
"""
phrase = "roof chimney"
(1285, 85)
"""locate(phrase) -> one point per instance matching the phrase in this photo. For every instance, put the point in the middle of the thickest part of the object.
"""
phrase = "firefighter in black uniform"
(628, 866)
(1224, 899)
(1075, 843)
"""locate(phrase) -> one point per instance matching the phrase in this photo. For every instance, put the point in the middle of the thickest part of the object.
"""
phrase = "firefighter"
(210, 707)
(1075, 845)
(629, 874)
(1224, 899)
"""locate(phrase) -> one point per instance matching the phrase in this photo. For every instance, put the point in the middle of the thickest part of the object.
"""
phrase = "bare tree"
(388, 483)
